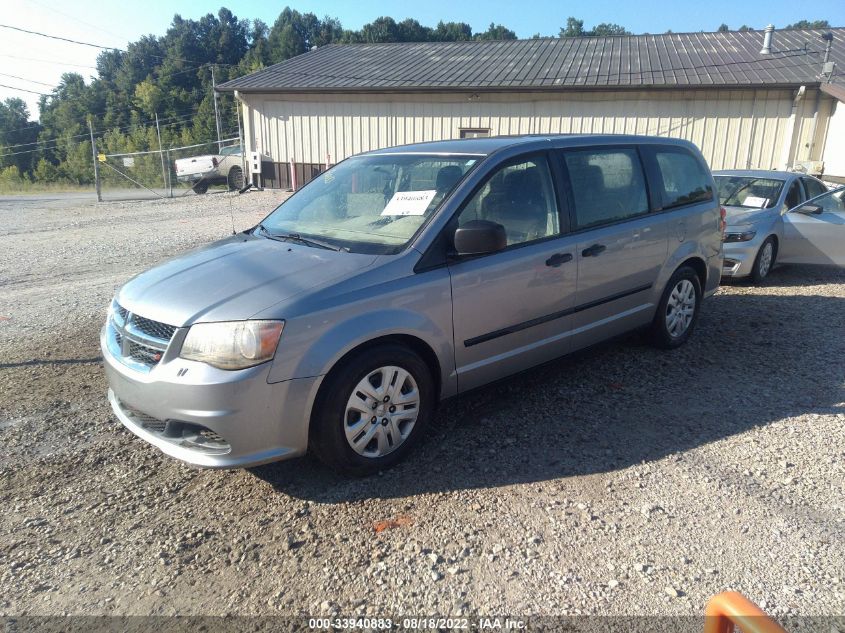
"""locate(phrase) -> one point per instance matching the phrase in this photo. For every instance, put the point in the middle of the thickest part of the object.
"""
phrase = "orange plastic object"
(729, 609)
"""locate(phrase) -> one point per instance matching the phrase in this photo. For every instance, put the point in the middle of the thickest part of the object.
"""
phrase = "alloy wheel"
(381, 411)
(766, 256)
(680, 308)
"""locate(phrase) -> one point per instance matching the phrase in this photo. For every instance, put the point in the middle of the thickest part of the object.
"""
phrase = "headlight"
(740, 236)
(232, 344)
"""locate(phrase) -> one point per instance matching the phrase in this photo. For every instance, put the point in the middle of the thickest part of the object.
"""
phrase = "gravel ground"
(621, 481)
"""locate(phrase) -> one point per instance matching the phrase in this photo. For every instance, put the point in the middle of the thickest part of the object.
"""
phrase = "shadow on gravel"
(754, 359)
(791, 276)
(52, 361)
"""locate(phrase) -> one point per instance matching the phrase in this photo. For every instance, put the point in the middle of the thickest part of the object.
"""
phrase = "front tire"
(765, 260)
(373, 410)
(677, 311)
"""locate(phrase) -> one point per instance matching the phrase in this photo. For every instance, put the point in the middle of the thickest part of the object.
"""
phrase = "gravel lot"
(621, 481)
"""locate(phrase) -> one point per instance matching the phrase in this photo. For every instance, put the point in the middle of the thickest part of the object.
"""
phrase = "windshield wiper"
(296, 237)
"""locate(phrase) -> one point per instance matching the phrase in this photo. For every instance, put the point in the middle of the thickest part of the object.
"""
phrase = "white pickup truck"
(212, 169)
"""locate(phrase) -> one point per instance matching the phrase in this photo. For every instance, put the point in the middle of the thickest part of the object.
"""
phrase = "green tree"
(723, 28)
(17, 135)
(383, 29)
(412, 31)
(809, 24)
(149, 97)
(573, 28)
(496, 32)
(607, 28)
(452, 32)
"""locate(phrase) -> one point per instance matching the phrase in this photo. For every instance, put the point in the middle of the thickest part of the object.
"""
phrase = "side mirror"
(478, 237)
(810, 209)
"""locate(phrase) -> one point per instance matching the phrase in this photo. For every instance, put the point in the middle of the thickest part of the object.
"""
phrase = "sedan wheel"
(764, 261)
(382, 411)
(680, 308)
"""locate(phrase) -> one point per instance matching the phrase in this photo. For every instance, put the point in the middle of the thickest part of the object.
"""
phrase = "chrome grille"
(143, 354)
(137, 341)
(153, 328)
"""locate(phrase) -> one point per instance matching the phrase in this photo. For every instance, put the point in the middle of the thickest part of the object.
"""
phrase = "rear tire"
(200, 187)
(235, 179)
(677, 311)
(364, 421)
(765, 260)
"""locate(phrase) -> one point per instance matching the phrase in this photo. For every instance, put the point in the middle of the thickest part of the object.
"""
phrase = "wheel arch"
(699, 266)
(414, 343)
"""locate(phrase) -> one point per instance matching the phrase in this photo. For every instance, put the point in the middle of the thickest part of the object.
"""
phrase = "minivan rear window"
(684, 178)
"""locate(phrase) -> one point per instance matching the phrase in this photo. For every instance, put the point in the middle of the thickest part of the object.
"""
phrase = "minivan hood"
(233, 279)
(741, 215)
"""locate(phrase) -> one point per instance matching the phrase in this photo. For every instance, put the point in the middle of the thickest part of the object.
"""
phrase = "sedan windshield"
(748, 191)
(370, 204)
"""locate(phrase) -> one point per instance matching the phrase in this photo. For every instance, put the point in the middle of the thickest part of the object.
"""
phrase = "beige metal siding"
(733, 128)
(834, 143)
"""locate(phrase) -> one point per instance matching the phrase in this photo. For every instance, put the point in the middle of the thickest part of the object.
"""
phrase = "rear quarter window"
(683, 178)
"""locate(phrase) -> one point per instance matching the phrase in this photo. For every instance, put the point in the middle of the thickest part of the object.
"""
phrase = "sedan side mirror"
(478, 237)
(810, 209)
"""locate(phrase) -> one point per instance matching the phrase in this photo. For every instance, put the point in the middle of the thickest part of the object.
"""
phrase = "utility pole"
(241, 141)
(216, 112)
(96, 162)
(164, 177)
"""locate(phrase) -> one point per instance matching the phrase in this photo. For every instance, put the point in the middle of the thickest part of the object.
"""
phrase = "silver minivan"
(402, 277)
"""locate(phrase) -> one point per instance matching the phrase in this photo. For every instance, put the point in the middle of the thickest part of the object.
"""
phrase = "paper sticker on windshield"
(409, 202)
(754, 201)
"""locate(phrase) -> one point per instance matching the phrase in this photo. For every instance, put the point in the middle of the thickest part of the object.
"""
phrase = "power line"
(47, 61)
(108, 48)
(76, 19)
(29, 80)
(24, 90)
(57, 37)
(174, 120)
(179, 113)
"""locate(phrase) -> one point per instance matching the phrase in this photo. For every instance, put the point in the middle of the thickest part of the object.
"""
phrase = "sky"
(37, 63)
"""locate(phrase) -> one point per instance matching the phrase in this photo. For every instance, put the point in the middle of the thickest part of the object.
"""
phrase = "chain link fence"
(172, 172)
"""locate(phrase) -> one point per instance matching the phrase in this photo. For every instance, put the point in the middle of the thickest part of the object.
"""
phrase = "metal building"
(747, 99)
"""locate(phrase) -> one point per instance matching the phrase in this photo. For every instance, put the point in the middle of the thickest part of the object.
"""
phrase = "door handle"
(594, 250)
(558, 258)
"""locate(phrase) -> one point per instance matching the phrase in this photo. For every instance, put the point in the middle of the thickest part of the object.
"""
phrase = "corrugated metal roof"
(636, 61)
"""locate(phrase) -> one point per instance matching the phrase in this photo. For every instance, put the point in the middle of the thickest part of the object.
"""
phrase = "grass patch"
(42, 187)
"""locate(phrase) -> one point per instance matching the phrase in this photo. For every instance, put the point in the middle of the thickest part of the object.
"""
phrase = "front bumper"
(739, 257)
(210, 417)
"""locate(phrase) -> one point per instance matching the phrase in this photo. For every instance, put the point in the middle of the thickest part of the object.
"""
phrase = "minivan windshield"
(370, 204)
(748, 191)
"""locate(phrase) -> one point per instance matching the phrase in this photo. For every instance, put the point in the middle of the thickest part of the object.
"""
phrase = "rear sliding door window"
(608, 185)
(685, 180)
